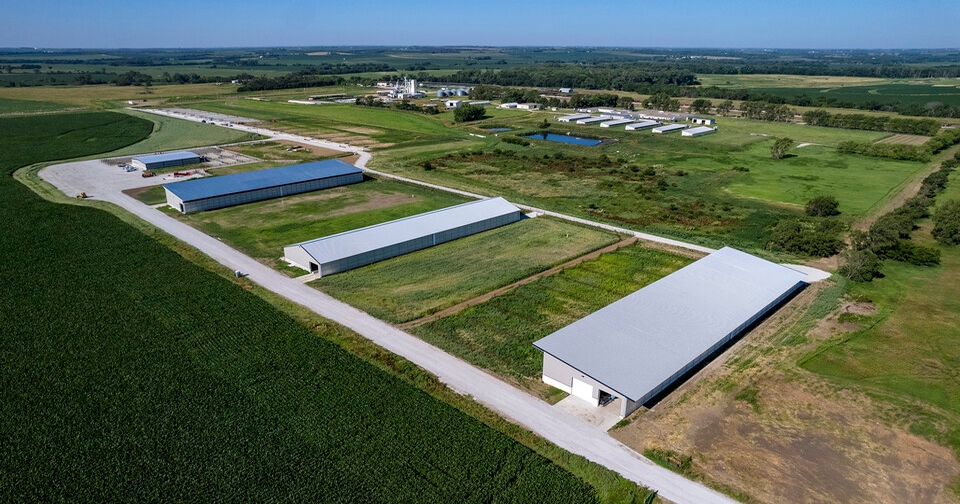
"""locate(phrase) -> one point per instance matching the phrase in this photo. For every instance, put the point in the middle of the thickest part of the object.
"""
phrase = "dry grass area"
(905, 139)
(760, 427)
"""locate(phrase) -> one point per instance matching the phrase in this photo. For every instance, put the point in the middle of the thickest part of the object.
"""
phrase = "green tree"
(701, 106)
(823, 206)
(946, 223)
(467, 113)
(545, 124)
(724, 107)
(780, 147)
(859, 265)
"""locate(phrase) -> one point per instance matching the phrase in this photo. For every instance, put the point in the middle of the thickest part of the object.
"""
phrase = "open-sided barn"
(239, 188)
(353, 249)
(637, 347)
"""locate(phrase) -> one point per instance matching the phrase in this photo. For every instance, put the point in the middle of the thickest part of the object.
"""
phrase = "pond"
(553, 137)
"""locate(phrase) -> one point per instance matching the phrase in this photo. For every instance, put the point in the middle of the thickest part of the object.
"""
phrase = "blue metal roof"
(167, 157)
(191, 190)
(637, 343)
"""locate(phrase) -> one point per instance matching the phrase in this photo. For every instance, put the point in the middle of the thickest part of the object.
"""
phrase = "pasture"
(144, 387)
(498, 334)
(420, 283)
(720, 189)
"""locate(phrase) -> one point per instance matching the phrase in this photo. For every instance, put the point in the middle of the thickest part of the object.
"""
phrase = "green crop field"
(414, 285)
(499, 333)
(261, 229)
(132, 374)
(880, 93)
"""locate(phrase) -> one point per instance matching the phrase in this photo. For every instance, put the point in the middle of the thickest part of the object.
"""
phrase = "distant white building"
(700, 130)
(482, 103)
(452, 104)
(706, 121)
(667, 128)
(528, 106)
(566, 90)
(508, 105)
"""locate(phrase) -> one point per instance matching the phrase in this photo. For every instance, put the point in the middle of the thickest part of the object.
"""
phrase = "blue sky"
(663, 23)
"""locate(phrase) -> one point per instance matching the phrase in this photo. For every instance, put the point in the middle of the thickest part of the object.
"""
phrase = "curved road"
(559, 427)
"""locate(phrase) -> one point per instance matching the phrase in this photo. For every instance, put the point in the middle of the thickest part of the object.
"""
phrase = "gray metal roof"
(699, 130)
(637, 343)
(191, 190)
(375, 237)
(669, 127)
(166, 157)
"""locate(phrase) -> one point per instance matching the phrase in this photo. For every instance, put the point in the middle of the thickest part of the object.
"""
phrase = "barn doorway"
(314, 267)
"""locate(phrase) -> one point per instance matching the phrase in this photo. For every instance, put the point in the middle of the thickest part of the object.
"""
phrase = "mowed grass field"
(499, 333)
(414, 285)
(170, 134)
(108, 95)
(859, 183)
(130, 373)
(386, 126)
(261, 229)
(13, 106)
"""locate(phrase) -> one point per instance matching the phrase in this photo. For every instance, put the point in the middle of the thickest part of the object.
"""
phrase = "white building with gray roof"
(639, 346)
(360, 247)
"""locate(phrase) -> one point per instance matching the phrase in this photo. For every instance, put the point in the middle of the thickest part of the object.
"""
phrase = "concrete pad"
(813, 274)
(603, 417)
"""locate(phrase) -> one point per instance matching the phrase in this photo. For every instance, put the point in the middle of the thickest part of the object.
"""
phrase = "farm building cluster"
(658, 122)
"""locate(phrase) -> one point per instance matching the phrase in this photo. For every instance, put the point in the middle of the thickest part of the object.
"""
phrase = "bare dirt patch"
(791, 436)
(905, 139)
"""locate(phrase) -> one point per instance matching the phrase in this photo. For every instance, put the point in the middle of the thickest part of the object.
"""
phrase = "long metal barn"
(353, 249)
(239, 188)
(640, 345)
(166, 160)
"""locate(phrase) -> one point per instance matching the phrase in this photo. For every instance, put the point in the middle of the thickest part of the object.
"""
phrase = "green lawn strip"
(498, 334)
(415, 285)
(14, 106)
(170, 134)
(129, 373)
(261, 229)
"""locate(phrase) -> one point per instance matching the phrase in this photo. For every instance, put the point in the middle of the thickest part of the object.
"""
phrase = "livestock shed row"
(353, 249)
(239, 188)
(639, 346)
(165, 160)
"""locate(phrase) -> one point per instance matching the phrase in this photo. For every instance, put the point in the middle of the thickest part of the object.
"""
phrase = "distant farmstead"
(239, 188)
(166, 160)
